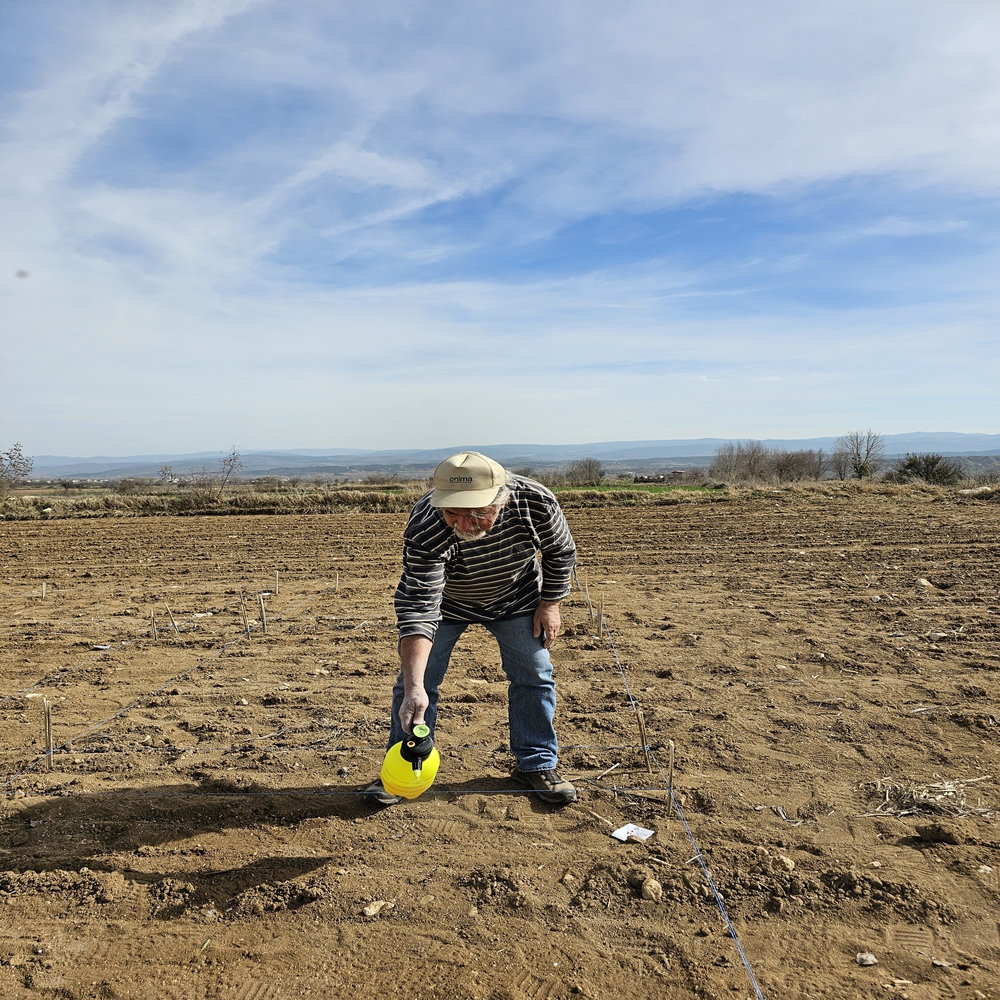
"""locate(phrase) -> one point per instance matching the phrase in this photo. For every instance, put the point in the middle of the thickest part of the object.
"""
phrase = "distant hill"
(343, 461)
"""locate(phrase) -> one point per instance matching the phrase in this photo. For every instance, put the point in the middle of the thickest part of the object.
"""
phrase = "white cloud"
(899, 226)
(86, 95)
(223, 203)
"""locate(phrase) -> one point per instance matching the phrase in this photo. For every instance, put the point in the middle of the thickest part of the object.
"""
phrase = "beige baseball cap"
(467, 479)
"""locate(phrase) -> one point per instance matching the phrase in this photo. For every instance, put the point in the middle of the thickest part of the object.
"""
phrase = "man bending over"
(469, 555)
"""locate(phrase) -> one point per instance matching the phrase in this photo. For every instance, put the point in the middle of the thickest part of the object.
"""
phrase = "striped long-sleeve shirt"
(497, 576)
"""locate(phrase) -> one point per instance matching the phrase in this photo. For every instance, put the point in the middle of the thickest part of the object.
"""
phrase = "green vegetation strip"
(394, 500)
(191, 502)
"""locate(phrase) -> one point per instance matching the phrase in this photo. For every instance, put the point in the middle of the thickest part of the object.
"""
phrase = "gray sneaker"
(377, 794)
(548, 785)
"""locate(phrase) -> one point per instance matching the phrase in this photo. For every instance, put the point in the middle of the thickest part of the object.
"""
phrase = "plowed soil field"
(827, 669)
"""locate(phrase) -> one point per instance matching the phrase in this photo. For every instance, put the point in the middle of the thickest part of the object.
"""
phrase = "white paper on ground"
(631, 830)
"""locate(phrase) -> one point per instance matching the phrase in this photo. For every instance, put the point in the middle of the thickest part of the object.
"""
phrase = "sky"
(302, 224)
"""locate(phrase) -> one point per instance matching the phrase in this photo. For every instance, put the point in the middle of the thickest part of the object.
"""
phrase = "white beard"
(469, 536)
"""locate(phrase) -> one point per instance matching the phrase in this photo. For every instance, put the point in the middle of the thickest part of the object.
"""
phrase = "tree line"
(856, 455)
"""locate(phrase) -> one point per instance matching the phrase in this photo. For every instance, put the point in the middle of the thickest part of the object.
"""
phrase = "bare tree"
(786, 465)
(585, 472)
(753, 459)
(794, 466)
(817, 463)
(746, 461)
(865, 451)
(724, 463)
(228, 468)
(549, 477)
(840, 462)
(15, 467)
(751, 462)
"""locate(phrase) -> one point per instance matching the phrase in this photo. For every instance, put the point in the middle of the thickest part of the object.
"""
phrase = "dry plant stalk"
(170, 615)
(607, 771)
(582, 587)
(152, 625)
(263, 616)
(941, 798)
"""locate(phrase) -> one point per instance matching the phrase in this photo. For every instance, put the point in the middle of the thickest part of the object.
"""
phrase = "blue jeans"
(531, 695)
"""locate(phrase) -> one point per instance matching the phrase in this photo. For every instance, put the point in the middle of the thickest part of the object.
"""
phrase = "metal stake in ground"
(152, 624)
(243, 609)
(47, 722)
(642, 736)
(275, 583)
(263, 617)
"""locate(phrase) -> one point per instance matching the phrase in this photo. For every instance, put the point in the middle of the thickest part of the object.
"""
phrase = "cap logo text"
(460, 479)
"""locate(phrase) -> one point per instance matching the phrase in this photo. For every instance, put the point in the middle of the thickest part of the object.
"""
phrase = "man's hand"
(411, 712)
(546, 620)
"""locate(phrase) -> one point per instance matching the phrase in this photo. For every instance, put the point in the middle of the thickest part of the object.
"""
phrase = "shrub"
(132, 485)
(266, 484)
(930, 467)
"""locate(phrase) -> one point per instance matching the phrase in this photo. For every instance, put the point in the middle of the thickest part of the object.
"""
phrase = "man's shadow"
(79, 831)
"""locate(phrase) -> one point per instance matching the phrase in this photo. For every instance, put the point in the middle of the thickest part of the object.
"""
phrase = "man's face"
(469, 523)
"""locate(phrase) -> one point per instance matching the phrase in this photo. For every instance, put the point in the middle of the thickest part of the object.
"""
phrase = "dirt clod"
(652, 890)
